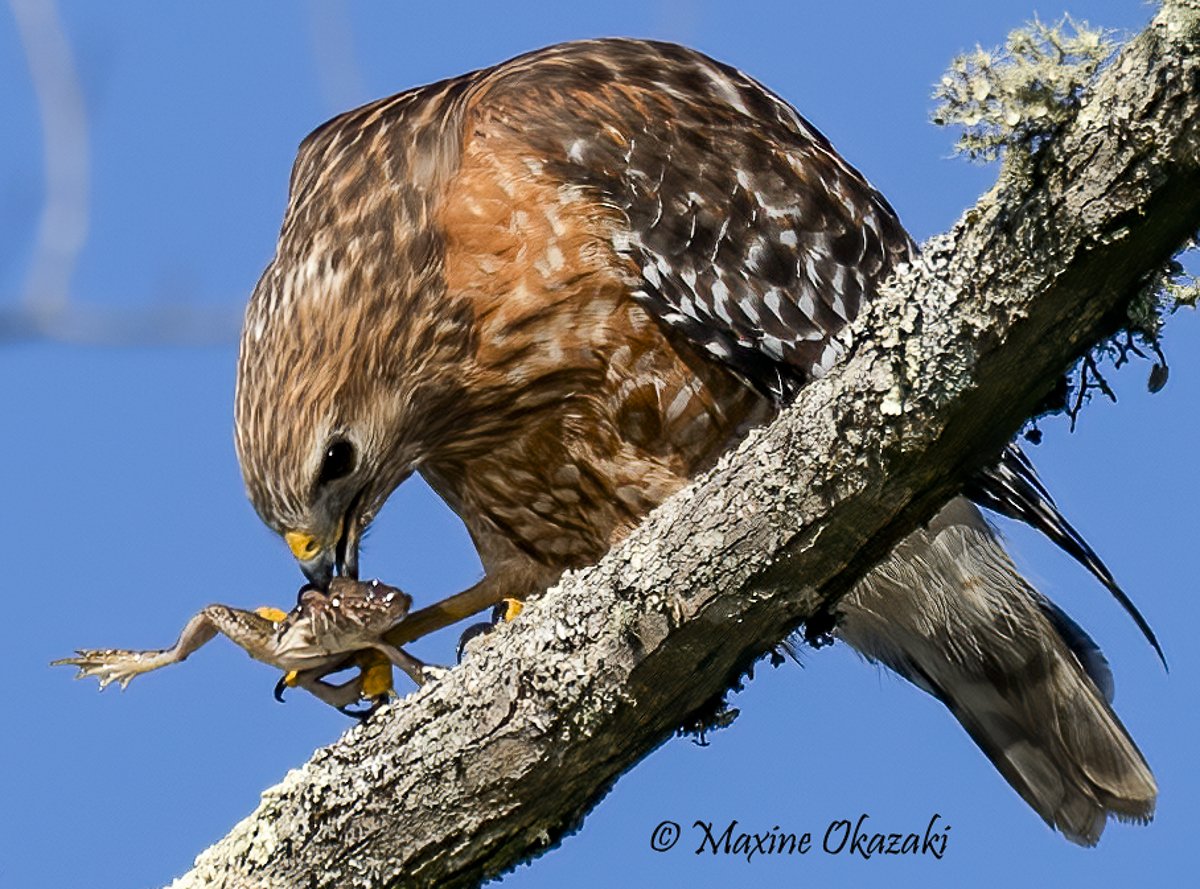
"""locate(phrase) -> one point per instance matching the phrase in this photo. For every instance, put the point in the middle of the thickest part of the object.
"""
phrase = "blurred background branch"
(46, 310)
(64, 223)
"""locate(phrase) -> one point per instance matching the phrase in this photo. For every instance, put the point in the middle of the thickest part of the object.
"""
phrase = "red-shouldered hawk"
(561, 287)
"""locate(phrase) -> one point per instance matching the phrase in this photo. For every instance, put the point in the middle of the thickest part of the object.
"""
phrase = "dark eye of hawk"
(339, 462)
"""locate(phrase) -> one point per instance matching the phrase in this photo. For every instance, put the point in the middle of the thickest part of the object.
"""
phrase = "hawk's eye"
(339, 462)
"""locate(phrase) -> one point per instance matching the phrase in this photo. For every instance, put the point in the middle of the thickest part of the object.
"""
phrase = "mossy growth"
(1014, 97)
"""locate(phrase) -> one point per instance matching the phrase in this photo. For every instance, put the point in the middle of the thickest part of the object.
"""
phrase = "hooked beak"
(320, 562)
(319, 569)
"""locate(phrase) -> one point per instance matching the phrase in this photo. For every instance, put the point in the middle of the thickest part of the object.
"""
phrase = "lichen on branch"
(1012, 98)
(1009, 101)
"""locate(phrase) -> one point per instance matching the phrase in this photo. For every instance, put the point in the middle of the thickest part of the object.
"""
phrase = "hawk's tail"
(948, 611)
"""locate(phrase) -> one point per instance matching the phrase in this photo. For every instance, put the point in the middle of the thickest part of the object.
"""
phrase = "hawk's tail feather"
(1012, 488)
(949, 612)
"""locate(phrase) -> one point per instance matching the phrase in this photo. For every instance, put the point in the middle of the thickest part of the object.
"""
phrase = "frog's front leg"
(417, 670)
(371, 683)
(336, 695)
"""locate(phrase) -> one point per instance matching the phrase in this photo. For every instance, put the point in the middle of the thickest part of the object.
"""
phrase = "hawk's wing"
(748, 234)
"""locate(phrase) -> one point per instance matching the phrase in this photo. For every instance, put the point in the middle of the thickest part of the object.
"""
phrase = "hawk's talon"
(473, 631)
(367, 712)
(502, 612)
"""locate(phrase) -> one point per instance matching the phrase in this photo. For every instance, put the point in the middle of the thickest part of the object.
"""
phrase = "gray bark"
(489, 765)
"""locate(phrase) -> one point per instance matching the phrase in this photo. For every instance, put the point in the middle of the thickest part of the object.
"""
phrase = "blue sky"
(124, 513)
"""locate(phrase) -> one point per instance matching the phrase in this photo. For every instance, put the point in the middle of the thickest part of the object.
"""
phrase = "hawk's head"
(341, 376)
(318, 433)
(333, 411)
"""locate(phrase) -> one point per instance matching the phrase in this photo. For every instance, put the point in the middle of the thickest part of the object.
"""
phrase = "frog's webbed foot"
(115, 664)
(121, 665)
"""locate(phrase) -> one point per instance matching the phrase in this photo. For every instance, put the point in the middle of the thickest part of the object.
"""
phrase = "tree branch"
(506, 754)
